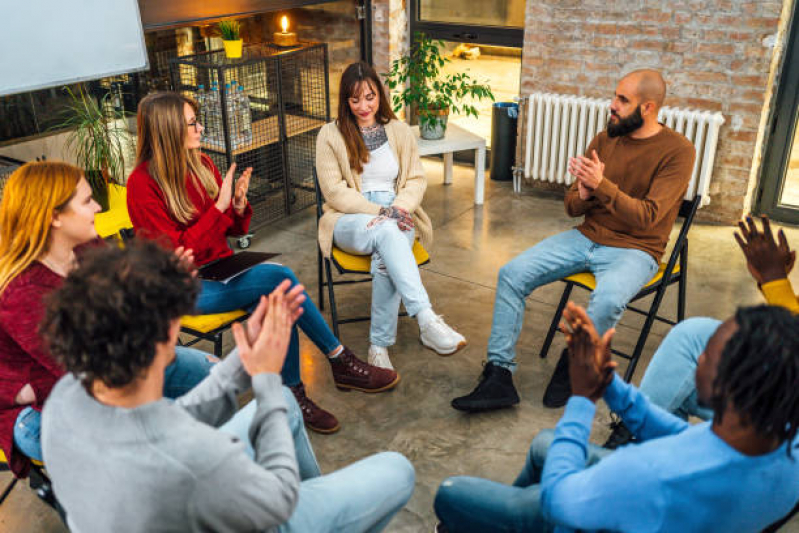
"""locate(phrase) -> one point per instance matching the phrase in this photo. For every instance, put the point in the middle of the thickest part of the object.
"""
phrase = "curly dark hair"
(105, 320)
(759, 372)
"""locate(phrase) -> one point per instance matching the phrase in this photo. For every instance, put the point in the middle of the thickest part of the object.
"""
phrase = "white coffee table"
(455, 140)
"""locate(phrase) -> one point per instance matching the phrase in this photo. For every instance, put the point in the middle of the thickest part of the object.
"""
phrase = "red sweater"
(206, 234)
(23, 359)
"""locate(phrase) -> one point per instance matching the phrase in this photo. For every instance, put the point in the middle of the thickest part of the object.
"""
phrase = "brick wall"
(389, 32)
(715, 54)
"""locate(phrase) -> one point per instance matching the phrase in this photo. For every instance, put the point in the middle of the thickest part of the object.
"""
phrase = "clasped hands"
(265, 340)
(589, 173)
(226, 194)
(767, 259)
(402, 216)
(590, 366)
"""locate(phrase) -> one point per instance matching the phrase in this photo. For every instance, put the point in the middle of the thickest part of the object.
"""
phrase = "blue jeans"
(189, 368)
(470, 504)
(670, 378)
(620, 273)
(239, 427)
(363, 496)
(245, 291)
(395, 275)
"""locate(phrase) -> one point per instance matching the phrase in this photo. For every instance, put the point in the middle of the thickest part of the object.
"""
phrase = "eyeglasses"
(196, 125)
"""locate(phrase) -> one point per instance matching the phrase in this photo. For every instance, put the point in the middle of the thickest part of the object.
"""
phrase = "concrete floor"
(471, 243)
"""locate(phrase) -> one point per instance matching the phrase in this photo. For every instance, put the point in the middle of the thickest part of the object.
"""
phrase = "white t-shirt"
(381, 171)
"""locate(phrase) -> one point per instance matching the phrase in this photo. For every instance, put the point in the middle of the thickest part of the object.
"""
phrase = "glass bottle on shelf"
(246, 118)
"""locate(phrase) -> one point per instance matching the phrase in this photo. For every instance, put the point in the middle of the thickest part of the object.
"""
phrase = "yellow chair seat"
(116, 218)
(587, 280)
(206, 323)
(4, 460)
(361, 264)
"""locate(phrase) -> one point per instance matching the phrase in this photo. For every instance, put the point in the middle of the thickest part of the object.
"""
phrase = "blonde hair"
(161, 127)
(32, 195)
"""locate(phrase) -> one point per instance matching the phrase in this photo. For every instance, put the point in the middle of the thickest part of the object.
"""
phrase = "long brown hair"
(33, 194)
(351, 82)
(161, 126)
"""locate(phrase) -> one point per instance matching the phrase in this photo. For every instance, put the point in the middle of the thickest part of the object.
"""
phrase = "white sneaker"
(439, 337)
(378, 356)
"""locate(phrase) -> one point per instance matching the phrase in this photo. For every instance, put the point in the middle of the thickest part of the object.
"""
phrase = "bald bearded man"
(628, 187)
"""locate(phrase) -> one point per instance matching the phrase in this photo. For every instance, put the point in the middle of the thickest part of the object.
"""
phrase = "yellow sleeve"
(779, 292)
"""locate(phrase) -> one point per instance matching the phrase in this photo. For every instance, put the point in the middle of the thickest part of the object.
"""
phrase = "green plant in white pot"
(95, 141)
(424, 87)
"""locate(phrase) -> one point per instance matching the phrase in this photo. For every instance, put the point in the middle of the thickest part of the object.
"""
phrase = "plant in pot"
(95, 140)
(426, 89)
(230, 31)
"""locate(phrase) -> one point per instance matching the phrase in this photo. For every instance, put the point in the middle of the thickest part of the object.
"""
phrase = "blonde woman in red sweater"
(177, 192)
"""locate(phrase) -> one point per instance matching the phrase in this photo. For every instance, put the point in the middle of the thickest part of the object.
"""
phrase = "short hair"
(104, 322)
(651, 85)
(759, 372)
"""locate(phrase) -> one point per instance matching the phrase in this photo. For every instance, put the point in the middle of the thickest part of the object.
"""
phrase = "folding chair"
(201, 327)
(39, 482)
(669, 273)
(346, 263)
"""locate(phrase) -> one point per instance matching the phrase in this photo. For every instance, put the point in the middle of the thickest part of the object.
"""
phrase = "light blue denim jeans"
(395, 275)
(363, 496)
(670, 378)
(620, 273)
(188, 369)
(474, 505)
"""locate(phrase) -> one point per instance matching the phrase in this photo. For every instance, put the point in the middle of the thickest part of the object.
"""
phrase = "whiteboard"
(47, 43)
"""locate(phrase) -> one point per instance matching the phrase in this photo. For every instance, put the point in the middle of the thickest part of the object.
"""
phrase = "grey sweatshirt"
(164, 467)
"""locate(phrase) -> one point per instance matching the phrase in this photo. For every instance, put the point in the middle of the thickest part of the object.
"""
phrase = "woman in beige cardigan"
(373, 183)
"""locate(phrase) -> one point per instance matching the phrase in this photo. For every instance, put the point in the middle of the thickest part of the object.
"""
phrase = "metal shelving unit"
(287, 92)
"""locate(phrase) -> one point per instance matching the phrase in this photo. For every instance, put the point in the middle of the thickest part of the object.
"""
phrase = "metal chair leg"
(8, 489)
(639, 345)
(319, 278)
(218, 344)
(556, 319)
(332, 296)
(682, 285)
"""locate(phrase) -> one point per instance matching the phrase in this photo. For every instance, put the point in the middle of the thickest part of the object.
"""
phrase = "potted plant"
(230, 31)
(431, 94)
(96, 140)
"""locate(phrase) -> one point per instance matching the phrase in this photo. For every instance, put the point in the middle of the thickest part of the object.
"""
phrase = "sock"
(425, 316)
(378, 349)
(337, 352)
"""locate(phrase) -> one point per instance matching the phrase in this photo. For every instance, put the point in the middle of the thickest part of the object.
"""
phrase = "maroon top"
(23, 359)
(205, 234)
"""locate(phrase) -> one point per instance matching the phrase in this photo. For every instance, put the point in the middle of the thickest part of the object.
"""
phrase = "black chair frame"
(678, 254)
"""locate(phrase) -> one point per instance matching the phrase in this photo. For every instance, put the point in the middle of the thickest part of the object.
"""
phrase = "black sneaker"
(494, 391)
(560, 388)
(621, 435)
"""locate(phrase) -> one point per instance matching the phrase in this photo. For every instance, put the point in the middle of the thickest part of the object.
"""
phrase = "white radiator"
(556, 127)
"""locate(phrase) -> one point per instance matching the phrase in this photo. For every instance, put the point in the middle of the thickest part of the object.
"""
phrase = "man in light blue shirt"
(738, 472)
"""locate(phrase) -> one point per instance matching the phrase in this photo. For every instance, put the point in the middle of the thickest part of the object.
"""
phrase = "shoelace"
(305, 403)
(355, 364)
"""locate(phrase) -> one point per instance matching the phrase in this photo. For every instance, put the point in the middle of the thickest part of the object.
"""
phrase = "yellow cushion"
(116, 218)
(206, 323)
(3, 459)
(587, 280)
(362, 263)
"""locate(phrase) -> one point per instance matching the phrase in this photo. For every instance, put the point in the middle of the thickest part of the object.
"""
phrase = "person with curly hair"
(125, 459)
(46, 219)
(177, 192)
(738, 472)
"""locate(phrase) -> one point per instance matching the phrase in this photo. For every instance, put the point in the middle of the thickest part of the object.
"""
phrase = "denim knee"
(286, 273)
(540, 446)
(448, 496)
(399, 473)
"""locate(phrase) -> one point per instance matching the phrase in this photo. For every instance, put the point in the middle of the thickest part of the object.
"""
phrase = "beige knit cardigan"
(341, 187)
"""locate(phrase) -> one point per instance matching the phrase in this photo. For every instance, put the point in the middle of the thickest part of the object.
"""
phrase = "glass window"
(790, 188)
(507, 13)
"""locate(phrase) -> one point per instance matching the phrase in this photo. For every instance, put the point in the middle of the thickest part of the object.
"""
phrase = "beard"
(626, 125)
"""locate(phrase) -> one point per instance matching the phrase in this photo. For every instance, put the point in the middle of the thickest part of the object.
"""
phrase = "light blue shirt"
(680, 478)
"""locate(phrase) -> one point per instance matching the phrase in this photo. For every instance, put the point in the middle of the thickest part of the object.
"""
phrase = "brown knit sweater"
(638, 200)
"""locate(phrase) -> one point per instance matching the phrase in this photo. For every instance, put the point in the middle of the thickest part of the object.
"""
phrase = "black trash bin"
(504, 117)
